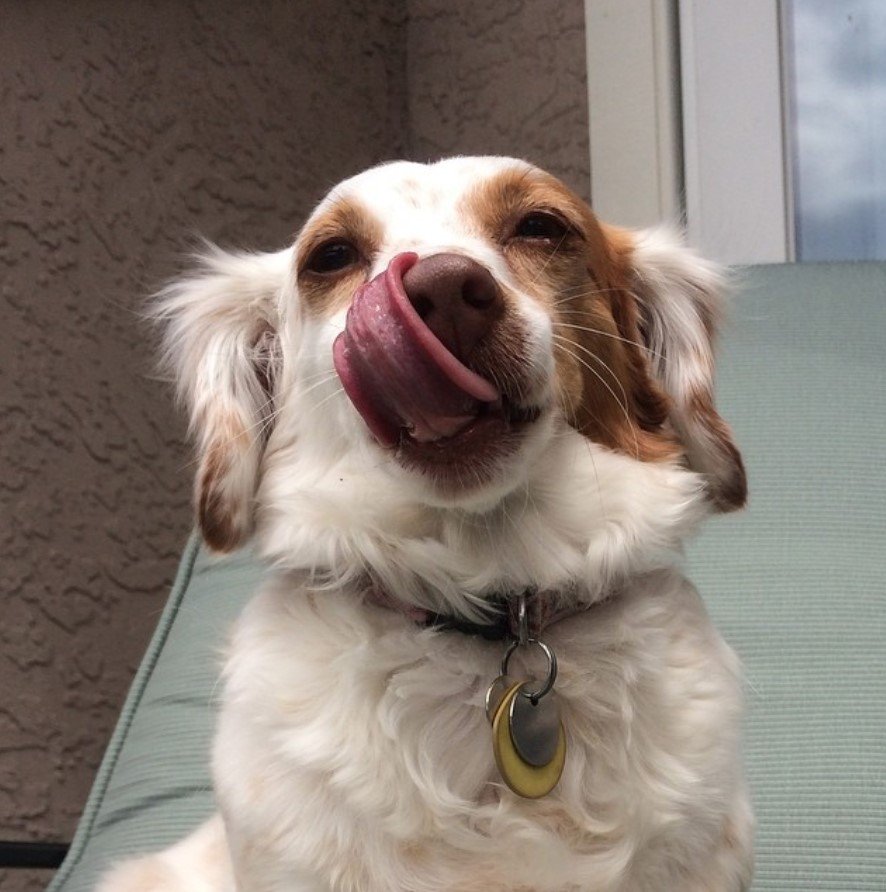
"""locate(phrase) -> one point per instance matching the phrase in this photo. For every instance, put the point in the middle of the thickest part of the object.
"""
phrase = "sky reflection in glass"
(836, 55)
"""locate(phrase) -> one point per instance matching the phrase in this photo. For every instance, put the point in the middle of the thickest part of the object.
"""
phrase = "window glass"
(835, 53)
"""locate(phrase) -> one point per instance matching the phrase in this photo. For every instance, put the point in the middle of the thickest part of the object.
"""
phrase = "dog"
(462, 420)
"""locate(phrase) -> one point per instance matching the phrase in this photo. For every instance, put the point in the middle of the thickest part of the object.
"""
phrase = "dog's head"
(432, 338)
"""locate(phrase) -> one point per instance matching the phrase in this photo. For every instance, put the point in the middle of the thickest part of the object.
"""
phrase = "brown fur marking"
(605, 387)
(215, 511)
(346, 219)
(729, 491)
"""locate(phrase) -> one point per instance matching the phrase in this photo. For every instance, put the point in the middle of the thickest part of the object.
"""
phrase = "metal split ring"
(548, 685)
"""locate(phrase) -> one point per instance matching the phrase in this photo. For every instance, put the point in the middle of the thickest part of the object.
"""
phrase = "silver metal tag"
(534, 726)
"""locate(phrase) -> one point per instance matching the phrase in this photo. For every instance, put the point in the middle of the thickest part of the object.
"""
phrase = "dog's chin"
(478, 464)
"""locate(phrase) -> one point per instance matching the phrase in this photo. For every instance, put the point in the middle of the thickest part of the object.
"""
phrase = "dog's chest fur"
(367, 750)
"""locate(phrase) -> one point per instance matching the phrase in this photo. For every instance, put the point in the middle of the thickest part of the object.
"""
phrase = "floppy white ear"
(220, 342)
(680, 299)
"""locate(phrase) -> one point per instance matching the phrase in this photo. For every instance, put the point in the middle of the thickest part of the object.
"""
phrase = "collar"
(503, 621)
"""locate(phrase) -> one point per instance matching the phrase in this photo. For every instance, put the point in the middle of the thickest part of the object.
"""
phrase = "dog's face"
(471, 301)
(438, 284)
(436, 328)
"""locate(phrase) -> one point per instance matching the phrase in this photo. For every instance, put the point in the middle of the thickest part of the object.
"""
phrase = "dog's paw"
(149, 874)
(199, 863)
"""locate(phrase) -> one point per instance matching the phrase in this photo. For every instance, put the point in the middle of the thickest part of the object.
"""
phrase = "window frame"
(667, 80)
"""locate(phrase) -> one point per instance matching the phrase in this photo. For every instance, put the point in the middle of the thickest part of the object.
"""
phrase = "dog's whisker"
(320, 373)
(549, 258)
(329, 376)
(577, 292)
(624, 401)
(607, 334)
(573, 410)
(324, 401)
(520, 531)
(561, 341)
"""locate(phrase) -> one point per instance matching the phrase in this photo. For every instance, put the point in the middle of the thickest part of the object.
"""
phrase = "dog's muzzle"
(401, 357)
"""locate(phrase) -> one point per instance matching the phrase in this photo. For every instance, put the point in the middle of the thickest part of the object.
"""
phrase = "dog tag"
(530, 781)
(535, 728)
(494, 694)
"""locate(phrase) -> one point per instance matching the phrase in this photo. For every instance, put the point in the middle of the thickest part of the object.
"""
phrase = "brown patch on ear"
(651, 404)
(728, 484)
(676, 309)
(212, 513)
(616, 403)
(223, 506)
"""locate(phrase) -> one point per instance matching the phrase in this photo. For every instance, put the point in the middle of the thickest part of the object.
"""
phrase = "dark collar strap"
(497, 628)
(501, 624)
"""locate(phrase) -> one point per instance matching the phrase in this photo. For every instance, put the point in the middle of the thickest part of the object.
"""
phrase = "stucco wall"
(500, 78)
(126, 128)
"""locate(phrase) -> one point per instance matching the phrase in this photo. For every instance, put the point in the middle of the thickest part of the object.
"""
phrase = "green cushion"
(795, 583)
(798, 582)
(153, 785)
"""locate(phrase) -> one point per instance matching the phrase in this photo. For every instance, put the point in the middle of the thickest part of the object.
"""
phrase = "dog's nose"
(456, 297)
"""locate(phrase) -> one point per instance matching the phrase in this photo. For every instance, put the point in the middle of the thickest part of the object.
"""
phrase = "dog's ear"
(679, 304)
(220, 343)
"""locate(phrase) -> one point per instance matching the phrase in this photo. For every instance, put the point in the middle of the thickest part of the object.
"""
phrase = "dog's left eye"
(541, 225)
(332, 256)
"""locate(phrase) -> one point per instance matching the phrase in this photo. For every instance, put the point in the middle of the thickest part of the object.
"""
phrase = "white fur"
(353, 752)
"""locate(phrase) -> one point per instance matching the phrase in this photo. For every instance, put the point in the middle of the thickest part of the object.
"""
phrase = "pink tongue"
(395, 370)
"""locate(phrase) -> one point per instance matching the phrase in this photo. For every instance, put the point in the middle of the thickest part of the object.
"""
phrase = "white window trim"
(737, 201)
(636, 171)
(714, 148)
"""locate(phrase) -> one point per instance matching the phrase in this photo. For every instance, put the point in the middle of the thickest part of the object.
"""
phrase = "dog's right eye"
(332, 256)
(541, 226)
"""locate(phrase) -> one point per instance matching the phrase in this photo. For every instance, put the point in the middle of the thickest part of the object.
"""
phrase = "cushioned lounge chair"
(797, 584)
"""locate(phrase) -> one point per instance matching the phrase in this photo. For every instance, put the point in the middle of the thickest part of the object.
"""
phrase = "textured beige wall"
(505, 77)
(123, 129)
